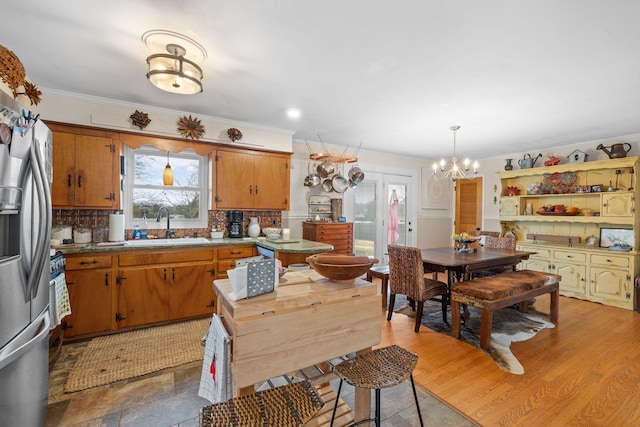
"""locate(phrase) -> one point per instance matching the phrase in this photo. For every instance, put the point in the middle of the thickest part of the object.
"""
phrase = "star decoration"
(31, 91)
(190, 127)
(140, 119)
(234, 134)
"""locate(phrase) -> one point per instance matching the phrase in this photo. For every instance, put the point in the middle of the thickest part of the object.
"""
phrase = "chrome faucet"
(168, 232)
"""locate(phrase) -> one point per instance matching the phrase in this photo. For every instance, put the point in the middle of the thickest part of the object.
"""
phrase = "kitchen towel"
(58, 299)
(215, 380)
(116, 227)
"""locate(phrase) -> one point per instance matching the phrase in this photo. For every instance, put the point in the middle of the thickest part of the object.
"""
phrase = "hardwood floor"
(584, 372)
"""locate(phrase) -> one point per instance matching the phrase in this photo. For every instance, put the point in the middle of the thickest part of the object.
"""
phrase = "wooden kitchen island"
(307, 320)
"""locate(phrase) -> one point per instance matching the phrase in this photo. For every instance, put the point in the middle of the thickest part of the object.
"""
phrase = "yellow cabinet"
(618, 204)
(86, 168)
(246, 179)
(509, 206)
(610, 286)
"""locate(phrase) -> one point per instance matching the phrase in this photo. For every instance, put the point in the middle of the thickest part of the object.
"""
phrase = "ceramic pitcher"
(254, 226)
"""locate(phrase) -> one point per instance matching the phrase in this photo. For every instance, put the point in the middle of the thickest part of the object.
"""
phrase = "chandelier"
(455, 171)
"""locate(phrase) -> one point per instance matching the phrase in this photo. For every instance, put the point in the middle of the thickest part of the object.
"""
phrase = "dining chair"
(406, 277)
(499, 242)
(492, 242)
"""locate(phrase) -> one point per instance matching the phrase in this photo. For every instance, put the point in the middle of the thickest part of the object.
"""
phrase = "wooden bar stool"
(289, 405)
(381, 368)
(381, 272)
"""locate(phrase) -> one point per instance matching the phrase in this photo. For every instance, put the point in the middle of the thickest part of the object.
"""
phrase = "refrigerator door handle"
(44, 203)
(34, 333)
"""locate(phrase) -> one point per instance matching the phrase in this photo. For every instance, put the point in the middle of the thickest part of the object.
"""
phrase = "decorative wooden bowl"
(341, 268)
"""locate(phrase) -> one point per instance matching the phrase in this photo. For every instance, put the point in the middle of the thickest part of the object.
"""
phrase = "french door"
(382, 209)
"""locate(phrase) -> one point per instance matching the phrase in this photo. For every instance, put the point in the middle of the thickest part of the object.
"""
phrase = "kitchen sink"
(184, 241)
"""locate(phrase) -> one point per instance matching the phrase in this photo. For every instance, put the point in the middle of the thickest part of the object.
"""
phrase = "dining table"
(461, 265)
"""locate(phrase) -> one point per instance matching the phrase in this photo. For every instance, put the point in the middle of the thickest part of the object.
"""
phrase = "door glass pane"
(364, 224)
(397, 214)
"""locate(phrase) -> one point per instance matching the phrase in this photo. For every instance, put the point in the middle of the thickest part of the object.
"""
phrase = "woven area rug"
(131, 354)
(509, 325)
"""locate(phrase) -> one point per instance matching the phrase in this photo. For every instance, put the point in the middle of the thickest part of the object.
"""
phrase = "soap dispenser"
(136, 232)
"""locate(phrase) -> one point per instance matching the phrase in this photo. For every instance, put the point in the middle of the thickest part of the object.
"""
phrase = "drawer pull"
(88, 262)
(269, 312)
(316, 303)
(355, 296)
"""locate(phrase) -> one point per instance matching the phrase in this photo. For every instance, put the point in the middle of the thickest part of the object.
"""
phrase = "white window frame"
(152, 224)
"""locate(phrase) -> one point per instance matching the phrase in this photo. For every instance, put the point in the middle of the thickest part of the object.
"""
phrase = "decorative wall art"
(140, 119)
(615, 237)
(435, 193)
(190, 127)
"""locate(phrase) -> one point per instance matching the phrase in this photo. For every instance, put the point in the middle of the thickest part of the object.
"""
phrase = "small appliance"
(235, 224)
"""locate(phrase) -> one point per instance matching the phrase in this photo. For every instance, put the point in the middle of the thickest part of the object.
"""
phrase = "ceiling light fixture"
(454, 172)
(293, 113)
(167, 176)
(174, 73)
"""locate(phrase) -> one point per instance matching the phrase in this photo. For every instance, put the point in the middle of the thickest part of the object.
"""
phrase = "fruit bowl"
(340, 268)
(465, 241)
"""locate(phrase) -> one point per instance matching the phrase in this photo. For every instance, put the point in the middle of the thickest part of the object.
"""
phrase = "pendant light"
(167, 176)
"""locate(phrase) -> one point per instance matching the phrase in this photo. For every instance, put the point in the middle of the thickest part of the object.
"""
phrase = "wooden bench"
(491, 293)
(381, 272)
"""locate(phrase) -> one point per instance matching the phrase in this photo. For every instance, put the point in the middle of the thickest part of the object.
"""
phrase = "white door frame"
(383, 179)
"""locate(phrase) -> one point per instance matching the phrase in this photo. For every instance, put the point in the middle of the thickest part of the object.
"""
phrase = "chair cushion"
(492, 288)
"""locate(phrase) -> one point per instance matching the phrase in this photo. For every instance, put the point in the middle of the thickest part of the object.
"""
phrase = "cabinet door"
(94, 181)
(90, 300)
(617, 204)
(143, 296)
(234, 180)
(537, 265)
(573, 277)
(191, 291)
(63, 186)
(271, 183)
(85, 172)
(509, 206)
(609, 284)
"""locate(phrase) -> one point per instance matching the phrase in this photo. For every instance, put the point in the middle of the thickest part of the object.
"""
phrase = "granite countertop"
(295, 246)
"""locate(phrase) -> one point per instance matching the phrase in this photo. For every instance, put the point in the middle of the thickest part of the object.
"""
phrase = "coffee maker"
(235, 224)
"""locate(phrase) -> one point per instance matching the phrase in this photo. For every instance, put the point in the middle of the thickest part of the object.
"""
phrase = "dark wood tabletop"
(441, 259)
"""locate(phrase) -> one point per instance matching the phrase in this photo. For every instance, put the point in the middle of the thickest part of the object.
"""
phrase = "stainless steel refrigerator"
(25, 229)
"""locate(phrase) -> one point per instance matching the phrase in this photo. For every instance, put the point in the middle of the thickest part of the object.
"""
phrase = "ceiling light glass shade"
(167, 176)
(454, 171)
(174, 73)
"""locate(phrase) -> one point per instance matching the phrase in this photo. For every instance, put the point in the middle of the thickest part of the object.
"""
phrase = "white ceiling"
(394, 75)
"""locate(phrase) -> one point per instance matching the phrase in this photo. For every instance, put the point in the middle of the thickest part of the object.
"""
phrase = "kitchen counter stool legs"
(381, 368)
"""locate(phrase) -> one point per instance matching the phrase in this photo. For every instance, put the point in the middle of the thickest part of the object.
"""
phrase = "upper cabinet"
(86, 168)
(245, 179)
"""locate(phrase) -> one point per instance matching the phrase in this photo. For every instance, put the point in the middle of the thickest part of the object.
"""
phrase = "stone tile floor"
(170, 398)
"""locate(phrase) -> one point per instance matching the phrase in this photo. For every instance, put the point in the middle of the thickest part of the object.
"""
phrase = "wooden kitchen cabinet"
(227, 256)
(86, 168)
(337, 234)
(163, 285)
(90, 284)
(246, 179)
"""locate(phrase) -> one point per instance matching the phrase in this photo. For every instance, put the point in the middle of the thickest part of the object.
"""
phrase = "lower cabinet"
(126, 289)
(163, 285)
(90, 284)
(590, 274)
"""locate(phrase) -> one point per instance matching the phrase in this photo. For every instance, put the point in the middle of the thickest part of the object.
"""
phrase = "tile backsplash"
(92, 218)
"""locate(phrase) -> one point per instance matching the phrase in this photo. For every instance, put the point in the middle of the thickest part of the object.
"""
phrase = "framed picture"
(435, 194)
(596, 188)
(615, 236)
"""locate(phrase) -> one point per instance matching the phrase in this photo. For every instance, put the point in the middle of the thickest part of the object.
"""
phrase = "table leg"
(362, 404)
(486, 323)
(553, 309)
(455, 319)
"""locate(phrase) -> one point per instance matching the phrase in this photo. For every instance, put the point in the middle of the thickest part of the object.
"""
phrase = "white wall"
(434, 226)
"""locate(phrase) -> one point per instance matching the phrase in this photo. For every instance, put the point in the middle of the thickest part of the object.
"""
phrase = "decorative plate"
(559, 213)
